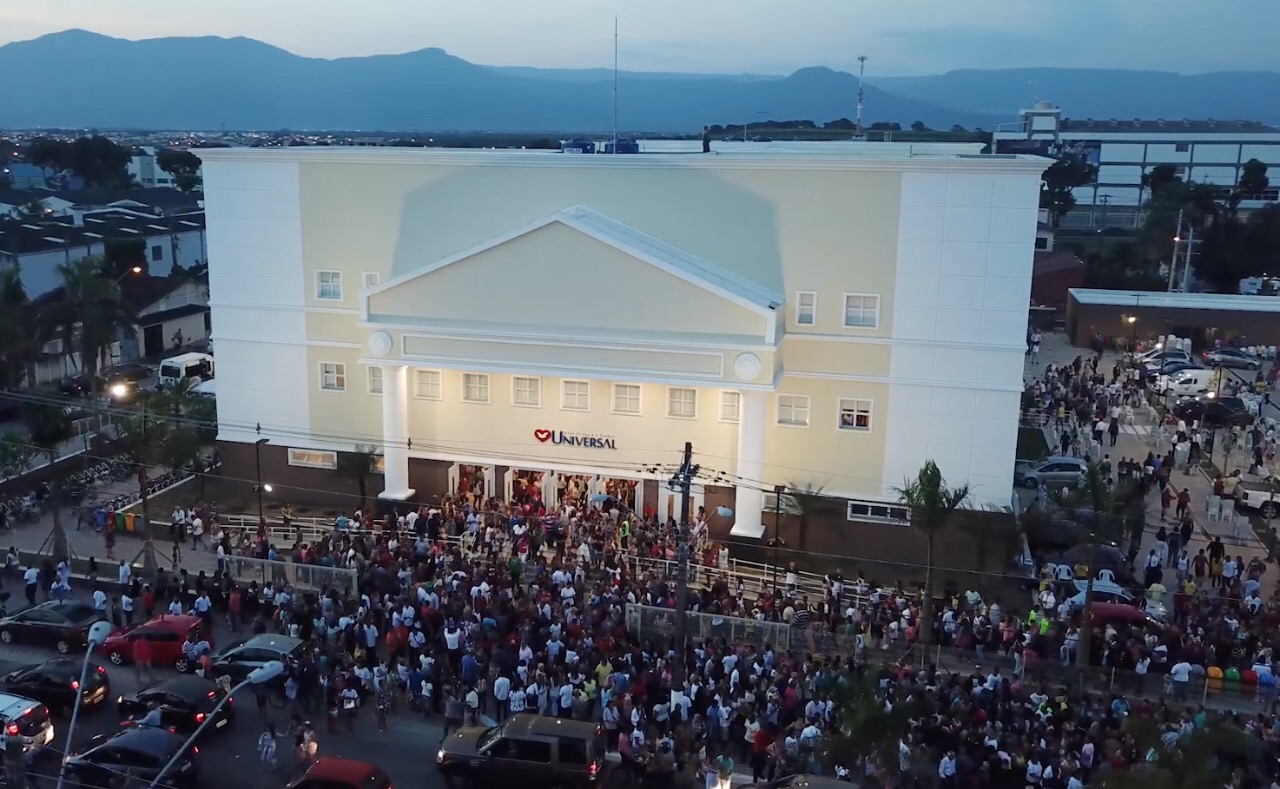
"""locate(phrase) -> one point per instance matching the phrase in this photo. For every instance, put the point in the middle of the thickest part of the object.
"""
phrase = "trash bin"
(1213, 676)
(120, 521)
(128, 521)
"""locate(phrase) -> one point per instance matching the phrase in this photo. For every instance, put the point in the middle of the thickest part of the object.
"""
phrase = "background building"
(824, 314)
(1201, 317)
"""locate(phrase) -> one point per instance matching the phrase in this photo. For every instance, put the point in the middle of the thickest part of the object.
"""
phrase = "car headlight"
(440, 756)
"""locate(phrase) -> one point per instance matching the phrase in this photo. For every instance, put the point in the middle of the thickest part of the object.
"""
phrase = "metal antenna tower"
(615, 86)
(862, 72)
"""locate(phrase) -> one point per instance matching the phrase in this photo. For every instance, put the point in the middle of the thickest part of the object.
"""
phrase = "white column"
(395, 432)
(748, 500)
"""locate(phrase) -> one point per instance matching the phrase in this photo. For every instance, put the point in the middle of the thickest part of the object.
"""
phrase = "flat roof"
(1175, 301)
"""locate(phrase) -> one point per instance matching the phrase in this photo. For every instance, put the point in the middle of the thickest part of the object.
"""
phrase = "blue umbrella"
(599, 498)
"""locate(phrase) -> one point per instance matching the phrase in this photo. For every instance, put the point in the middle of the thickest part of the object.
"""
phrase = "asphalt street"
(229, 758)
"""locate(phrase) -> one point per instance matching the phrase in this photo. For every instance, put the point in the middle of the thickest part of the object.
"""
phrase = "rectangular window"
(427, 384)
(806, 308)
(371, 279)
(475, 387)
(874, 511)
(626, 399)
(375, 380)
(730, 406)
(526, 391)
(157, 253)
(861, 310)
(855, 415)
(1042, 242)
(682, 402)
(1182, 147)
(793, 410)
(313, 458)
(329, 285)
(333, 376)
(575, 395)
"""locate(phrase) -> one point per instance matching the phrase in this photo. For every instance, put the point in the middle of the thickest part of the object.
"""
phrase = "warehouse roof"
(1175, 301)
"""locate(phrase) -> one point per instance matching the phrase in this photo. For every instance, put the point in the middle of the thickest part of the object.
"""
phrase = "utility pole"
(862, 71)
(683, 481)
(1177, 248)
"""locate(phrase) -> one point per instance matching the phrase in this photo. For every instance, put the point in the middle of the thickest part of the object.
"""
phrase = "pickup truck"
(1262, 495)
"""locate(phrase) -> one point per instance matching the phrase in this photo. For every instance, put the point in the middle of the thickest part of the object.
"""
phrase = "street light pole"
(257, 460)
(683, 480)
(777, 535)
(97, 634)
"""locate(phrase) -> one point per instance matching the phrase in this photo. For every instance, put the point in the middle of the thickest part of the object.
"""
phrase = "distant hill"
(89, 80)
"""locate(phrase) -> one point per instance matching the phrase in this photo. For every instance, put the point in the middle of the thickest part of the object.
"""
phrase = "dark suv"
(529, 750)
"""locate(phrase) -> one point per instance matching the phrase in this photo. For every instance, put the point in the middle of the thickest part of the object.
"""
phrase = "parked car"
(533, 750)
(1231, 357)
(1054, 471)
(1215, 411)
(140, 751)
(185, 702)
(238, 660)
(1187, 383)
(27, 718)
(166, 632)
(1110, 592)
(61, 624)
(1262, 495)
(55, 684)
(330, 772)
(79, 386)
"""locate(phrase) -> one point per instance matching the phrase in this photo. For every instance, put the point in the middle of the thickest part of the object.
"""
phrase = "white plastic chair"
(1213, 507)
(1227, 508)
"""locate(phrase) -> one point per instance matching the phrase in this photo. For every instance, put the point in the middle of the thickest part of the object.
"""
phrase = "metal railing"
(303, 577)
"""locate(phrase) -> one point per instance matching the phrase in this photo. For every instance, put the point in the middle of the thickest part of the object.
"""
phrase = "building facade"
(824, 315)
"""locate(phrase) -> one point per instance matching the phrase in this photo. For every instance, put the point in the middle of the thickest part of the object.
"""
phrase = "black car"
(54, 684)
(79, 385)
(61, 624)
(1215, 412)
(137, 751)
(239, 659)
(185, 703)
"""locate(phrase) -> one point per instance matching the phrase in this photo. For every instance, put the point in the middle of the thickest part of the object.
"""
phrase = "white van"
(1187, 383)
(179, 368)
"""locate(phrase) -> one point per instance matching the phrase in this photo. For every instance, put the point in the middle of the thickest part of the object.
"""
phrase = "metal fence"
(651, 622)
(303, 577)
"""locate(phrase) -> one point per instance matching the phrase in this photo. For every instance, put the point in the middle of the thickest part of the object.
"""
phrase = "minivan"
(25, 718)
(1187, 383)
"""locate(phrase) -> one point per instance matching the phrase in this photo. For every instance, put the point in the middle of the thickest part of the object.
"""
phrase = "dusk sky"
(900, 38)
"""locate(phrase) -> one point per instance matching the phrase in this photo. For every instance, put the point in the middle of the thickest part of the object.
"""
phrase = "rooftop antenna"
(615, 86)
(862, 71)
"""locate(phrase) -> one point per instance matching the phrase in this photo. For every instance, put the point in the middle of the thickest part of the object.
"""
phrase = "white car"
(1111, 592)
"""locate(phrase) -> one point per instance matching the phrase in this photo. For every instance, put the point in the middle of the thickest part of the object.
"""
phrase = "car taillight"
(75, 684)
(195, 751)
(592, 769)
(199, 717)
(101, 670)
(11, 729)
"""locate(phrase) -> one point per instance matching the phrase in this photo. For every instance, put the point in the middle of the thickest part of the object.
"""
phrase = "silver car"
(1230, 357)
(1054, 471)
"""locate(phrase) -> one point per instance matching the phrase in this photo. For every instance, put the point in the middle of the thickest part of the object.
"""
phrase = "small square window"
(526, 391)
(626, 399)
(329, 285)
(730, 406)
(682, 402)
(575, 395)
(475, 387)
(375, 380)
(1182, 147)
(333, 376)
(157, 253)
(855, 415)
(793, 410)
(371, 279)
(862, 310)
(806, 308)
(427, 384)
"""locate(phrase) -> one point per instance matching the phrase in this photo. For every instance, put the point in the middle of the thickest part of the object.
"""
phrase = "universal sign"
(561, 438)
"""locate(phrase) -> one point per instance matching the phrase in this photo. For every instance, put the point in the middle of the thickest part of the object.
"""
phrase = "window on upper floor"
(313, 458)
(1042, 242)
(862, 310)
(855, 415)
(333, 376)
(371, 279)
(575, 395)
(329, 285)
(375, 380)
(526, 391)
(626, 399)
(427, 384)
(806, 308)
(730, 406)
(682, 402)
(475, 387)
(1182, 147)
(793, 410)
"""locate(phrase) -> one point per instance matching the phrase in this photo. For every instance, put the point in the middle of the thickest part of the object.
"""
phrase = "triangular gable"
(630, 241)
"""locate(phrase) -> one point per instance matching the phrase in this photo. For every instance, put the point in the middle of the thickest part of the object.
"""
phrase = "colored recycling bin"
(1213, 676)
(128, 521)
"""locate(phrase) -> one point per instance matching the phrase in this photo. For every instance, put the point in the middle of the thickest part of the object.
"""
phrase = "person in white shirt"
(124, 574)
(99, 601)
(126, 607)
(947, 769)
(501, 695)
(1180, 673)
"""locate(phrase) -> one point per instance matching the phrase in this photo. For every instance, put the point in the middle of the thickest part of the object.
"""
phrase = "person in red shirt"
(142, 659)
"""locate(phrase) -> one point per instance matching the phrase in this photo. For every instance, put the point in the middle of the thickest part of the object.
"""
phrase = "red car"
(330, 772)
(167, 633)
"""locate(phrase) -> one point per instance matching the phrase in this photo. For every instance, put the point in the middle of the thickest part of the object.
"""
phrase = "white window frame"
(313, 458)
(725, 406)
(320, 285)
(855, 404)
(536, 390)
(800, 312)
(797, 405)
(671, 390)
(639, 390)
(374, 379)
(371, 279)
(564, 394)
(481, 379)
(339, 375)
(883, 512)
(418, 387)
(845, 317)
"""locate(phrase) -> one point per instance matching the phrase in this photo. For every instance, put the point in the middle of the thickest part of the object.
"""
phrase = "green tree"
(864, 728)
(1159, 180)
(919, 126)
(1059, 180)
(145, 437)
(120, 256)
(18, 344)
(16, 454)
(1253, 180)
(49, 427)
(359, 466)
(34, 210)
(1213, 757)
(89, 317)
(933, 505)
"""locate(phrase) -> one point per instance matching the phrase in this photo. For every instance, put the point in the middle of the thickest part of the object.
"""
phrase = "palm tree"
(863, 729)
(144, 437)
(932, 504)
(359, 465)
(49, 427)
(31, 211)
(90, 315)
(18, 345)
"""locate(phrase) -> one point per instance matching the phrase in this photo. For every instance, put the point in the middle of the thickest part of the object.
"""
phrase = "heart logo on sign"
(542, 435)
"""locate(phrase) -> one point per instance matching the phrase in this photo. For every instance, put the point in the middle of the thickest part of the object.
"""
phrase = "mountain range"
(87, 80)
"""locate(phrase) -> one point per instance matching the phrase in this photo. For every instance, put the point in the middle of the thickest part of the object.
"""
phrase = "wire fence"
(316, 578)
